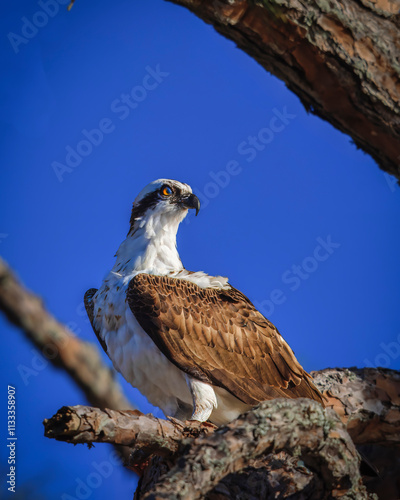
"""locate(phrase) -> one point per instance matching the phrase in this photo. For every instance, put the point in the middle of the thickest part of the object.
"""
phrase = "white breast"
(134, 354)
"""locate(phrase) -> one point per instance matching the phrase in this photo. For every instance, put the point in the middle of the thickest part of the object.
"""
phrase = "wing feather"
(89, 306)
(218, 336)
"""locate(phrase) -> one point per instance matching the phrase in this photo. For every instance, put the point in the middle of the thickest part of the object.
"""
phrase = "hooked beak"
(190, 201)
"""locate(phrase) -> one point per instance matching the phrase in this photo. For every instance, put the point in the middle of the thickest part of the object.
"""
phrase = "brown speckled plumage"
(218, 336)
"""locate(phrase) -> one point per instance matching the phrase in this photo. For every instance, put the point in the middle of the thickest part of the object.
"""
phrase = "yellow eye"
(166, 191)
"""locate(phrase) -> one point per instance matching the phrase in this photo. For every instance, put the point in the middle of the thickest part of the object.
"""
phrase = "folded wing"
(219, 337)
(89, 306)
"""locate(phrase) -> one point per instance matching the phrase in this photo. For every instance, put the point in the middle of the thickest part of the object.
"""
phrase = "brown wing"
(218, 336)
(88, 301)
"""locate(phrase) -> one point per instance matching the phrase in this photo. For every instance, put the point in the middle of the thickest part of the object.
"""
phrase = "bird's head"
(166, 199)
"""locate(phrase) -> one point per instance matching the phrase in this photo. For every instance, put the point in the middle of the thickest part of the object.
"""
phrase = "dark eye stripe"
(150, 200)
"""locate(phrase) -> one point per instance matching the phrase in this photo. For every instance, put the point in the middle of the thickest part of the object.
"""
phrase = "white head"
(156, 214)
(164, 201)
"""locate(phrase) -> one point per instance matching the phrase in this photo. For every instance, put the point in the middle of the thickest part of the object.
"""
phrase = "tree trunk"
(341, 58)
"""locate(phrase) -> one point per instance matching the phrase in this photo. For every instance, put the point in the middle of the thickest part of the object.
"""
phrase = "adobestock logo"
(256, 143)
(297, 274)
(121, 108)
(41, 360)
(390, 352)
(249, 149)
(30, 27)
(86, 486)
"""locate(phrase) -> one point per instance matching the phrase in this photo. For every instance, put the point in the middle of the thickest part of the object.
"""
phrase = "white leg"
(204, 399)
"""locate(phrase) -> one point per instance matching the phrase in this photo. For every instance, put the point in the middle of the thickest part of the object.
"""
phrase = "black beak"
(191, 201)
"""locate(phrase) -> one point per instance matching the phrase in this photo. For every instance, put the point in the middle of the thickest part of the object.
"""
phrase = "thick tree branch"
(301, 427)
(340, 57)
(367, 400)
(81, 360)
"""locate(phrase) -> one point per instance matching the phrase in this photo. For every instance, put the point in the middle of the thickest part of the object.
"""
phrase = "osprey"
(191, 343)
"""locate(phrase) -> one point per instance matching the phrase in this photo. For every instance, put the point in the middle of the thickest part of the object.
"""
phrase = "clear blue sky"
(204, 113)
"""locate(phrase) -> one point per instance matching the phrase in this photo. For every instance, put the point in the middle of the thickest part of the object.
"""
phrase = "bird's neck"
(150, 247)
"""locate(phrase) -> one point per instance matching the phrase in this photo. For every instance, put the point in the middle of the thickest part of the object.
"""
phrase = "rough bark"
(301, 427)
(146, 433)
(194, 467)
(366, 400)
(340, 57)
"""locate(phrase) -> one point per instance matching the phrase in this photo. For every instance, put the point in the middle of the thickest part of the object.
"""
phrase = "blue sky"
(300, 220)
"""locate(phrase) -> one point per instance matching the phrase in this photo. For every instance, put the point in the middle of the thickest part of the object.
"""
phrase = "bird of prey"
(192, 344)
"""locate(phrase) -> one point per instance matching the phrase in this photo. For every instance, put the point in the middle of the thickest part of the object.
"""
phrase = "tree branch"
(146, 433)
(367, 400)
(301, 427)
(339, 57)
(81, 360)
